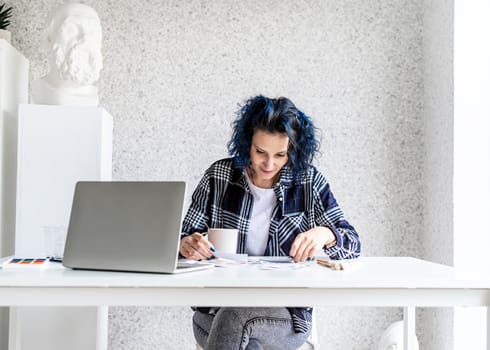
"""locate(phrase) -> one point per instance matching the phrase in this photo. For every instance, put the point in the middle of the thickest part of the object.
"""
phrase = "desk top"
(373, 272)
(365, 282)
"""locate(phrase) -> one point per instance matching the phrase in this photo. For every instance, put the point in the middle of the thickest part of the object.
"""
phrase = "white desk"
(383, 282)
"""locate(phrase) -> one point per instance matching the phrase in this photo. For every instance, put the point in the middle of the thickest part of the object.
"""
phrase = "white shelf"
(14, 69)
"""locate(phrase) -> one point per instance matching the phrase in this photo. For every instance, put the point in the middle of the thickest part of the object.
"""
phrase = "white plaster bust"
(73, 40)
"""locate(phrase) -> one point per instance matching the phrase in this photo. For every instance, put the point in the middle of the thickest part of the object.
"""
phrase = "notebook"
(126, 226)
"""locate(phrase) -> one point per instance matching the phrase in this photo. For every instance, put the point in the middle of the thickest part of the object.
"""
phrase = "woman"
(281, 205)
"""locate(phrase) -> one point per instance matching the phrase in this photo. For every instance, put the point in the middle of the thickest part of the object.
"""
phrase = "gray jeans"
(234, 328)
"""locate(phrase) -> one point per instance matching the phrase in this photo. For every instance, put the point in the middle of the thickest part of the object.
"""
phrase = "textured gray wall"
(175, 71)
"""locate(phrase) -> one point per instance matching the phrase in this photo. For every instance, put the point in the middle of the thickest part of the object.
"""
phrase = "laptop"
(127, 226)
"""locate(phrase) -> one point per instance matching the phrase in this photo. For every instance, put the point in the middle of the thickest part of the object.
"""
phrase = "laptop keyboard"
(184, 265)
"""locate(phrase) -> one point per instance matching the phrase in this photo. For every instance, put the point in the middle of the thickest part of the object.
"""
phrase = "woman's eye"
(260, 152)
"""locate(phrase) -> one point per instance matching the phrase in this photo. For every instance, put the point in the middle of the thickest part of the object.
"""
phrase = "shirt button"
(280, 199)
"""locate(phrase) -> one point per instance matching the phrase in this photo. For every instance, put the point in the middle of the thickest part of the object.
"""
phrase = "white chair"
(392, 338)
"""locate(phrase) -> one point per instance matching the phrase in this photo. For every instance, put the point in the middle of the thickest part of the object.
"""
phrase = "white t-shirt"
(258, 231)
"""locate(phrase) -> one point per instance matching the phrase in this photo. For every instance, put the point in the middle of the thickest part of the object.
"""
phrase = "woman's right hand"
(196, 247)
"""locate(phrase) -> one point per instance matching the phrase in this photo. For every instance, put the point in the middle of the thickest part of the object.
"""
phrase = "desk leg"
(14, 337)
(488, 327)
(409, 328)
(102, 327)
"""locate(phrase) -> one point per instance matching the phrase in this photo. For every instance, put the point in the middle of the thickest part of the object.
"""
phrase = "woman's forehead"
(267, 139)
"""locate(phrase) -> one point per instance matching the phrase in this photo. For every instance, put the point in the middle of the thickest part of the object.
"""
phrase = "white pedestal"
(57, 146)
(14, 68)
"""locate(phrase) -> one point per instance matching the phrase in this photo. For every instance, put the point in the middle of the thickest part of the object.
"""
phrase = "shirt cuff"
(332, 248)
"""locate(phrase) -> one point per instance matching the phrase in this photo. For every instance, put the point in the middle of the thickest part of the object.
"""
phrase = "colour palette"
(25, 263)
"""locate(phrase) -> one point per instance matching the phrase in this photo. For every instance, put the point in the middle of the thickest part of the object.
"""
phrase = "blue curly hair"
(278, 115)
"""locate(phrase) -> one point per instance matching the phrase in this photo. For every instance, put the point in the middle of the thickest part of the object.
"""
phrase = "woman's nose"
(269, 163)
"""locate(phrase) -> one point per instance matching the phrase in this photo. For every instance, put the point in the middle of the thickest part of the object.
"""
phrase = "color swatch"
(24, 262)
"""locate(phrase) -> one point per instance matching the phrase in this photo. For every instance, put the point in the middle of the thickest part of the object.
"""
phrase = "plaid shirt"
(223, 199)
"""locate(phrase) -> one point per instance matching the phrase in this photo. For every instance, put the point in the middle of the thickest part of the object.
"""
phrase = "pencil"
(330, 264)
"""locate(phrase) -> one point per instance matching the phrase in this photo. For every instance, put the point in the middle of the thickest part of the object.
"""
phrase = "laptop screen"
(125, 226)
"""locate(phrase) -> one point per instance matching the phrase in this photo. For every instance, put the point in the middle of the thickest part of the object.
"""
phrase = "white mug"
(223, 239)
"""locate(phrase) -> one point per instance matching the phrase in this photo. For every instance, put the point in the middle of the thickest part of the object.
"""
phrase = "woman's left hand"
(306, 244)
